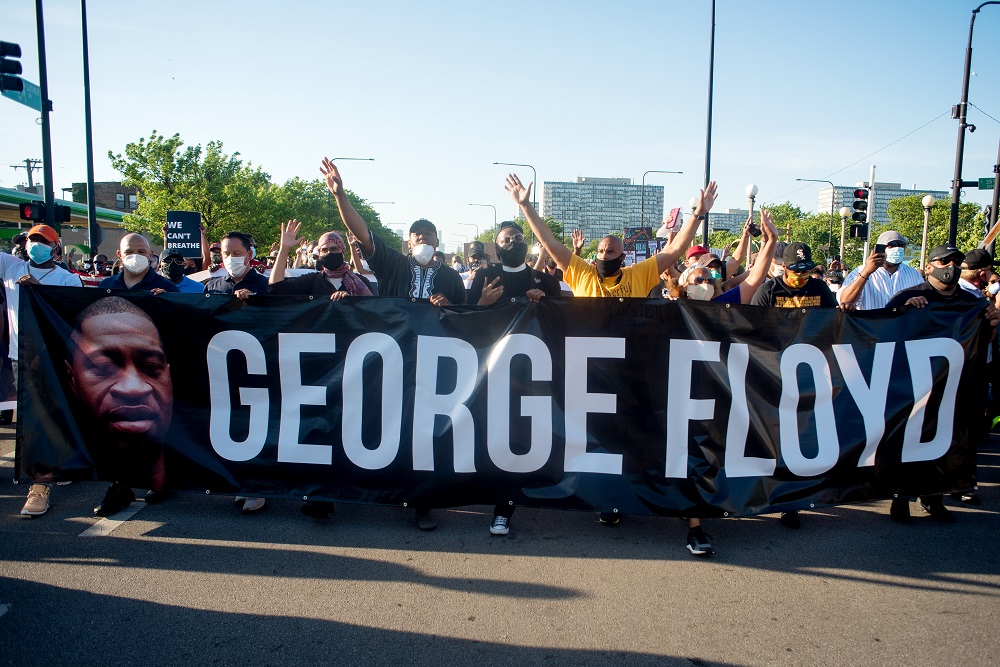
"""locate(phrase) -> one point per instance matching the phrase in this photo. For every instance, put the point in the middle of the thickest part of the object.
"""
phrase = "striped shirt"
(881, 285)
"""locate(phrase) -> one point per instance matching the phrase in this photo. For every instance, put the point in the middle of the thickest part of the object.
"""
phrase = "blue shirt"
(188, 286)
(252, 280)
(152, 280)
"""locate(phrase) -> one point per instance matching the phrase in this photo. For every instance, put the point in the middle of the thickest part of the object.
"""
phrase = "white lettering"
(218, 389)
(869, 399)
(354, 405)
(827, 442)
(294, 394)
(537, 408)
(737, 463)
(681, 408)
(580, 402)
(427, 403)
(919, 354)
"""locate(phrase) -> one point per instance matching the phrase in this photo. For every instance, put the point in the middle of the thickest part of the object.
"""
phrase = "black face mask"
(609, 267)
(514, 255)
(175, 272)
(948, 275)
(331, 261)
(216, 258)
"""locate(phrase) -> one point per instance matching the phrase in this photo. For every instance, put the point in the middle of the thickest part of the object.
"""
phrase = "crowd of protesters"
(360, 264)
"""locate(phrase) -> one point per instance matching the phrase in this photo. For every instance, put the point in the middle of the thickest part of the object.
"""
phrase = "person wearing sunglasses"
(172, 266)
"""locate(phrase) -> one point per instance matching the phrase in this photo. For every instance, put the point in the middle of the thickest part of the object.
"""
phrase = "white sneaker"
(253, 504)
(501, 525)
(37, 503)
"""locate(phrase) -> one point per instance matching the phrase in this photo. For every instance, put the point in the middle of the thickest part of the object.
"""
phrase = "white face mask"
(423, 253)
(778, 271)
(135, 263)
(894, 255)
(702, 292)
(993, 288)
(235, 266)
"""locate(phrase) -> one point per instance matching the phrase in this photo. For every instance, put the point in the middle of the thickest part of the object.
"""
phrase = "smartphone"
(879, 248)
(753, 229)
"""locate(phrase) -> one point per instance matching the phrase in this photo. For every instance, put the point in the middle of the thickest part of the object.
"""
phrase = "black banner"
(647, 407)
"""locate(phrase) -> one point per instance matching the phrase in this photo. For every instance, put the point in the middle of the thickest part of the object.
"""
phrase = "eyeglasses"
(174, 261)
(698, 280)
(511, 240)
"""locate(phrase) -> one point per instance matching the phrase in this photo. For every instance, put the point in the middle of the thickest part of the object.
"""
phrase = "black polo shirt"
(251, 280)
(152, 280)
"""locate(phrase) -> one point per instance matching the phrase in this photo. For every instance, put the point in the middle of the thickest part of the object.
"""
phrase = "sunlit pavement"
(195, 581)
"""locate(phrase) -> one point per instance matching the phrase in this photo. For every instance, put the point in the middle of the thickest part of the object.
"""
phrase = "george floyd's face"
(120, 374)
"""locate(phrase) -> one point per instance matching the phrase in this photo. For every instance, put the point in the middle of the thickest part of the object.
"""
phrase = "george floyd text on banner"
(640, 406)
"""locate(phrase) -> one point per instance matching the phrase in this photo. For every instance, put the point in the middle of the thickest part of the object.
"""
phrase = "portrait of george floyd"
(120, 385)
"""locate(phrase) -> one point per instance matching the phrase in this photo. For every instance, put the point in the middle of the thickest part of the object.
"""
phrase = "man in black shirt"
(238, 250)
(795, 288)
(943, 271)
(333, 277)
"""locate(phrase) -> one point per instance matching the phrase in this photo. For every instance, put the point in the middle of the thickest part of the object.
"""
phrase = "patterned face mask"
(795, 280)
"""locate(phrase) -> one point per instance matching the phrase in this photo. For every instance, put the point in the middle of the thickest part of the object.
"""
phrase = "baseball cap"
(885, 238)
(798, 257)
(476, 249)
(978, 259)
(45, 232)
(696, 251)
(171, 255)
(423, 225)
(945, 251)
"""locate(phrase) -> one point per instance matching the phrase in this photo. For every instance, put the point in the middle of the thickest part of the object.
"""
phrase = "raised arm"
(288, 234)
(522, 195)
(679, 244)
(206, 255)
(758, 274)
(741, 248)
(541, 260)
(355, 223)
(578, 242)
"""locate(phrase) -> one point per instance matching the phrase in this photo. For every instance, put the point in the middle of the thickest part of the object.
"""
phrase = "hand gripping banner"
(644, 406)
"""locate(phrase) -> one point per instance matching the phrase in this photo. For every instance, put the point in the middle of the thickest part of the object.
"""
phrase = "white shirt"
(13, 268)
(881, 285)
(969, 287)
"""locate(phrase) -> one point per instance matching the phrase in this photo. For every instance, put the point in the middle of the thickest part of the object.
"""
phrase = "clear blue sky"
(437, 91)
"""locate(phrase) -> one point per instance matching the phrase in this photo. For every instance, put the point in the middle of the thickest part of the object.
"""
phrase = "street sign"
(31, 96)
(987, 183)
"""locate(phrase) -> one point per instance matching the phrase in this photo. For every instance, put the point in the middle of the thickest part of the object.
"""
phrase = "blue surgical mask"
(39, 253)
(894, 255)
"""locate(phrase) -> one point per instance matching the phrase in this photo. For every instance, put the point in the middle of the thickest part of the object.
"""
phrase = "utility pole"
(30, 165)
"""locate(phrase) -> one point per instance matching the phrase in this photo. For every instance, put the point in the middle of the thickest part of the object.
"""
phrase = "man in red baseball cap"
(694, 252)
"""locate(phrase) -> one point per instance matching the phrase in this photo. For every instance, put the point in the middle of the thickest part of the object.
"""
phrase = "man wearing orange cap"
(40, 269)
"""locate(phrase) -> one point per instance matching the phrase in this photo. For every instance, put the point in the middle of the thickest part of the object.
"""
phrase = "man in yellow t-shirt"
(609, 277)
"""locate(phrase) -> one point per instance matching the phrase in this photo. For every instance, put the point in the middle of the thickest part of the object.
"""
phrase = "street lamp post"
(494, 214)
(845, 213)
(642, 192)
(364, 159)
(708, 131)
(471, 224)
(833, 201)
(959, 112)
(928, 202)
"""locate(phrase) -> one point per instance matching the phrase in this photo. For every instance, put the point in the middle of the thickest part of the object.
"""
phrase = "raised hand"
(491, 293)
(289, 233)
(578, 241)
(706, 199)
(520, 194)
(332, 176)
(767, 228)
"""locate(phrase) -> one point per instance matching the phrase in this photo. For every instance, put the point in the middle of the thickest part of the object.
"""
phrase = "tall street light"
(845, 213)
(534, 176)
(471, 224)
(928, 202)
(494, 213)
(708, 132)
(363, 159)
(833, 199)
(959, 112)
(642, 195)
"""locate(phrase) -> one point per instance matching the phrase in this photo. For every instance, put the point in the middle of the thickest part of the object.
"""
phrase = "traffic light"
(860, 205)
(859, 231)
(10, 67)
(33, 210)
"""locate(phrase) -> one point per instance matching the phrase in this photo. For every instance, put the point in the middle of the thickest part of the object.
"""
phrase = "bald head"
(610, 247)
(133, 242)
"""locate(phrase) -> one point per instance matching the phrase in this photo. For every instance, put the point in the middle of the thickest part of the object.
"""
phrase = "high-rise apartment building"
(600, 206)
(732, 220)
(843, 195)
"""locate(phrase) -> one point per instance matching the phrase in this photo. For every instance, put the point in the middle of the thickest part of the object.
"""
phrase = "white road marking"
(104, 527)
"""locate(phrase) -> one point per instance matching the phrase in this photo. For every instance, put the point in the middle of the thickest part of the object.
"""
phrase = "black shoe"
(938, 511)
(698, 544)
(153, 497)
(899, 510)
(609, 518)
(425, 519)
(115, 500)
(791, 520)
(6, 416)
(317, 509)
(967, 498)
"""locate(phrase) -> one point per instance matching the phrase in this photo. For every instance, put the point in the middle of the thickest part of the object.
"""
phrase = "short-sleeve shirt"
(13, 268)
(188, 286)
(251, 280)
(882, 285)
(634, 281)
(776, 294)
(401, 275)
(516, 282)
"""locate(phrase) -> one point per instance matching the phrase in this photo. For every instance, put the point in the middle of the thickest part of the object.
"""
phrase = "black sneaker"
(115, 500)
(698, 544)
(609, 518)
(500, 525)
(968, 498)
(791, 520)
(317, 509)
(425, 519)
(153, 497)
(938, 511)
(899, 510)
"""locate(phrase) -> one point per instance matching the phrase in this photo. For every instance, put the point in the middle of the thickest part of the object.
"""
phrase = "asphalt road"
(194, 581)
